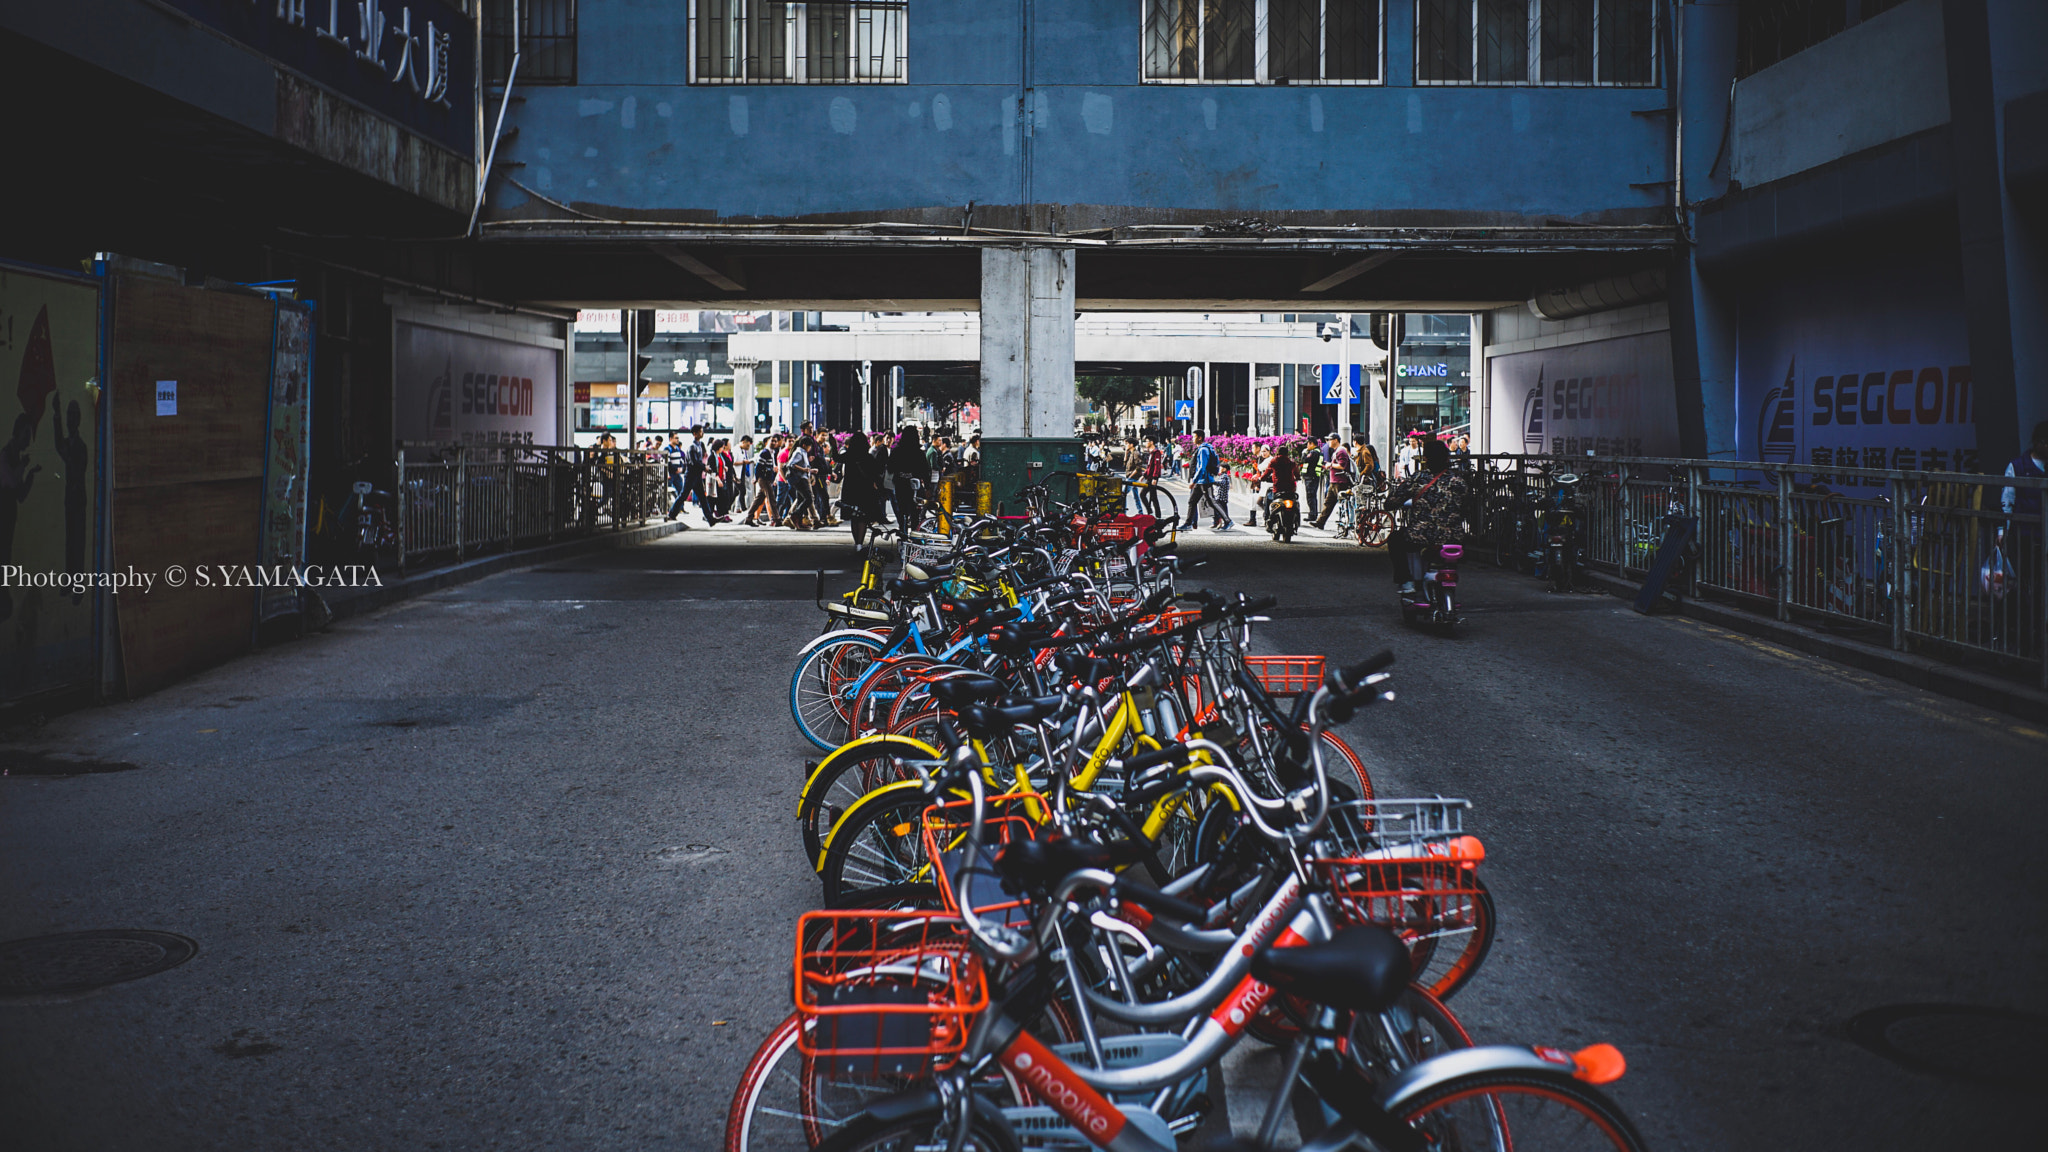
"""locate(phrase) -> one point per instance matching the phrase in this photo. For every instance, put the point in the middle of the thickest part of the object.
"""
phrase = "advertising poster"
(462, 389)
(285, 450)
(1607, 397)
(49, 480)
(1865, 366)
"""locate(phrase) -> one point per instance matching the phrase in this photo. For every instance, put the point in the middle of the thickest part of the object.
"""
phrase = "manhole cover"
(77, 961)
(1958, 1041)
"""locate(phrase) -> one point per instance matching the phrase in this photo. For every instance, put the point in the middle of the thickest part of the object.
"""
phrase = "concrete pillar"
(743, 395)
(1703, 328)
(1027, 343)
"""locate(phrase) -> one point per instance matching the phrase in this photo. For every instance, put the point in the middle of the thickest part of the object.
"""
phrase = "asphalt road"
(512, 867)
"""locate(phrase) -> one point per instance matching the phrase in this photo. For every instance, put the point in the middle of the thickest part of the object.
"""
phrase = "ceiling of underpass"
(1440, 272)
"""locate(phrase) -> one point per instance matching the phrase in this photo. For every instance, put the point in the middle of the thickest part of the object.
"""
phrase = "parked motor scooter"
(1434, 571)
(371, 527)
(1561, 535)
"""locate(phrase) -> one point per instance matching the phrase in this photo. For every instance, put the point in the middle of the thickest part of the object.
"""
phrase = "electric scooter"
(1434, 572)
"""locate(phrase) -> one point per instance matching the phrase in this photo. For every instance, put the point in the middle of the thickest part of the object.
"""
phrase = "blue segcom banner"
(1864, 367)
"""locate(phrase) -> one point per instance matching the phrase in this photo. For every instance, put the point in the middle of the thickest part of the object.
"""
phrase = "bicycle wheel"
(822, 688)
(1520, 1110)
(1448, 938)
(879, 690)
(876, 854)
(1377, 530)
(922, 1132)
(787, 1101)
(853, 775)
(1337, 757)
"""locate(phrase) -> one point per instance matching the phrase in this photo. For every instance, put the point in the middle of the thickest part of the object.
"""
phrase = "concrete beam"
(681, 258)
(1349, 271)
(1027, 342)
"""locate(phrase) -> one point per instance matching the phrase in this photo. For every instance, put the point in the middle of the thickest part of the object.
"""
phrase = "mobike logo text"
(489, 394)
(1235, 1013)
(1079, 1104)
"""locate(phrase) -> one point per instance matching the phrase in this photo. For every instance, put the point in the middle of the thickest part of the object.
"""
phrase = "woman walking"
(912, 470)
(860, 487)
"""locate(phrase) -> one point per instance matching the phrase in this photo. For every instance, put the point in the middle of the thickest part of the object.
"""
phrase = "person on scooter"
(1279, 473)
(1432, 500)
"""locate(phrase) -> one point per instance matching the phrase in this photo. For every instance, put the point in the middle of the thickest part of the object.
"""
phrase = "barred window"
(547, 41)
(1768, 31)
(1536, 42)
(1262, 41)
(800, 42)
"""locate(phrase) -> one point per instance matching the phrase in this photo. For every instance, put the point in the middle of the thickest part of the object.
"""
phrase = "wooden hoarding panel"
(190, 380)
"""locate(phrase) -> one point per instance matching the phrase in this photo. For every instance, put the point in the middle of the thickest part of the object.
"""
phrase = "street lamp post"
(1344, 377)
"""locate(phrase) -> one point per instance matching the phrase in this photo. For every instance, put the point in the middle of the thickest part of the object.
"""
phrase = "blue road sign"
(1184, 410)
(1336, 390)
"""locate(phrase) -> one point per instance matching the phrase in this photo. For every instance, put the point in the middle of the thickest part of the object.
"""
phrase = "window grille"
(1768, 31)
(801, 42)
(547, 41)
(1262, 41)
(1607, 42)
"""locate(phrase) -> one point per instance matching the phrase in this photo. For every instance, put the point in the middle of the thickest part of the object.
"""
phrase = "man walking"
(1202, 486)
(695, 459)
(1311, 474)
(1339, 470)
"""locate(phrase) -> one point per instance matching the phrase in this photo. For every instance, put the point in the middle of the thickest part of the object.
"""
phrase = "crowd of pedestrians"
(810, 478)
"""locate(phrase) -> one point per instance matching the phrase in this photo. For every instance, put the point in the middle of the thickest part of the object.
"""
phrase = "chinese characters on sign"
(422, 59)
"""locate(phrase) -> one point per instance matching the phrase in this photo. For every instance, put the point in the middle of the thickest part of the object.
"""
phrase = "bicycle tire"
(819, 698)
(825, 800)
(877, 844)
(876, 696)
(1446, 971)
(1376, 530)
(922, 1130)
(1525, 1110)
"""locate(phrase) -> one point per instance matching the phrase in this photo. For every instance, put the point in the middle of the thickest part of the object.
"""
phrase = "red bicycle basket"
(946, 829)
(1414, 890)
(1287, 675)
(885, 993)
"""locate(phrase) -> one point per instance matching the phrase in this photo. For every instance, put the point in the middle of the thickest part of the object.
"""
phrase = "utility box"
(1009, 465)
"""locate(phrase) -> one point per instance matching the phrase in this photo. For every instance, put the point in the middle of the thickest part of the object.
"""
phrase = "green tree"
(1113, 394)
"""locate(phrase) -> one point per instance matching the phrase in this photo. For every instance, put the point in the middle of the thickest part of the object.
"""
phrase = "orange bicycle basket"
(1287, 675)
(946, 826)
(885, 993)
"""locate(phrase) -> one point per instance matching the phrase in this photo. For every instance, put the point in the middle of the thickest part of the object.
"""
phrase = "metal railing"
(1925, 561)
(457, 500)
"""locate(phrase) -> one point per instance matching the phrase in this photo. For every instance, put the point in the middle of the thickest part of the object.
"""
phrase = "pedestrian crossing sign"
(1184, 410)
(1337, 390)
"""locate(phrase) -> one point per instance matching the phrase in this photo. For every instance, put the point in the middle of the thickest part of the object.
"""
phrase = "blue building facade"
(1040, 114)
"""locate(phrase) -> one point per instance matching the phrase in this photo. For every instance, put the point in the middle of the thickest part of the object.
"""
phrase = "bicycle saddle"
(908, 589)
(1086, 669)
(1362, 968)
(1041, 864)
(967, 605)
(966, 689)
(985, 720)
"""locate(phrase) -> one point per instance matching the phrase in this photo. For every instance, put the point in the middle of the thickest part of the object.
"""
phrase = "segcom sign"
(1863, 367)
(1610, 397)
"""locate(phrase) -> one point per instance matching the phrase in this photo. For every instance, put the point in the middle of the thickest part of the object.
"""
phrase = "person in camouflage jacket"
(1432, 502)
